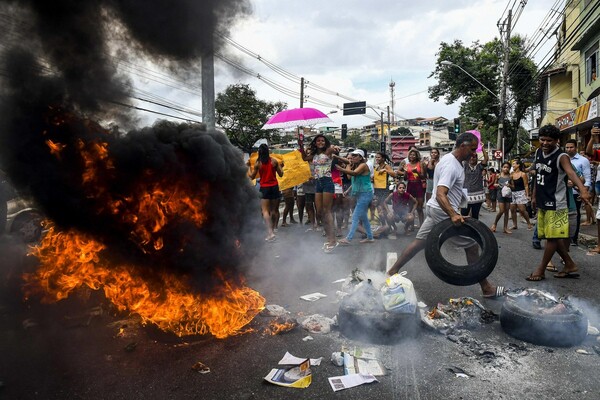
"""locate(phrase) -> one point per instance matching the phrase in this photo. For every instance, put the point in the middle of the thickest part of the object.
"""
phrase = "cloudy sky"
(355, 48)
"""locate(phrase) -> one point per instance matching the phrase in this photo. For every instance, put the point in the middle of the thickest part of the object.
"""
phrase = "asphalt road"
(71, 350)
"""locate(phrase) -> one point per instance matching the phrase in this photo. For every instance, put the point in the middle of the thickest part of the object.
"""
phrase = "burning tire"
(361, 316)
(560, 330)
(461, 275)
(28, 226)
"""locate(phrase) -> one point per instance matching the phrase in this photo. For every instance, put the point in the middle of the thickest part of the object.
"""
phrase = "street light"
(499, 140)
(472, 77)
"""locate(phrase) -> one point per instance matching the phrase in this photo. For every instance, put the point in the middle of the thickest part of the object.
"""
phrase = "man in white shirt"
(581, 164)
(445, 202)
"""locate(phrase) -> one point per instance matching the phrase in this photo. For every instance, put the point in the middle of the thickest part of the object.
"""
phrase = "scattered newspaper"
(349, 381)
(362, 360)
(289, 359)
(299, 376)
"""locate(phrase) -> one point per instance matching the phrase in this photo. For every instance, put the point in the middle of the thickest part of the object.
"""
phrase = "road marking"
(391, 258)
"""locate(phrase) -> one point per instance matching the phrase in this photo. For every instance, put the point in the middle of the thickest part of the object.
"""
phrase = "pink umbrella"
(478, 134)
(296, 117)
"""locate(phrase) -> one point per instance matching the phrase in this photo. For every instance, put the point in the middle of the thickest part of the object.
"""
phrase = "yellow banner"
(295, 170)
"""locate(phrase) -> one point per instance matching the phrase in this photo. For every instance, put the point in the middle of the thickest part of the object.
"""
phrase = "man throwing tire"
(447, 196)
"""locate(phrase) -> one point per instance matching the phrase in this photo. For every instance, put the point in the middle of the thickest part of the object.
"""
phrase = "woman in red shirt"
(267, 166)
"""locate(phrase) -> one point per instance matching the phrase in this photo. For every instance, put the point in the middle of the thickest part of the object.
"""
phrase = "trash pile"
(459, 313)
(458, 318)
(544, 303)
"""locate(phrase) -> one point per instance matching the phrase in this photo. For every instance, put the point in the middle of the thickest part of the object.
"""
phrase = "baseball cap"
(359, 152)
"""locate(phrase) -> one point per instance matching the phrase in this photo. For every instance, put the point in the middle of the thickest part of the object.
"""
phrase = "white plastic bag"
(506, 192)
(398, 294)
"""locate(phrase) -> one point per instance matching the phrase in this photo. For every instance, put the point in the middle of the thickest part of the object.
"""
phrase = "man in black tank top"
(553, 167)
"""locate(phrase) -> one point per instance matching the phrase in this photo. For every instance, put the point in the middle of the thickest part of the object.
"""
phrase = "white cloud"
(354, 48)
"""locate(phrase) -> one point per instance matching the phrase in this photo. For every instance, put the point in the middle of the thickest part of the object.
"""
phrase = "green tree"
(241, 115)
(401, 131)
(353, 140)
(370, 146)
(484, 62)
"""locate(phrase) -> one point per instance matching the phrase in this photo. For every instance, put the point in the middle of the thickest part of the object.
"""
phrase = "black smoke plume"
(58, 77)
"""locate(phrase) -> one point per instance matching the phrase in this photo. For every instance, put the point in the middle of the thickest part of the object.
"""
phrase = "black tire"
(28, 226)
(557, 330)
(461, 275)
(377, 327)
(362, 316)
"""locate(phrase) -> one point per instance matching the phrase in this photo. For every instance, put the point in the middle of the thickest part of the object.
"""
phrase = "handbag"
(506, 192)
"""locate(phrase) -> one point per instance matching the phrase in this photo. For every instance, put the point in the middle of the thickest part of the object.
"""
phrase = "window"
(591, 64)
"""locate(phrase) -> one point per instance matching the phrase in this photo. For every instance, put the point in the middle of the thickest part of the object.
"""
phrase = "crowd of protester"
(348, 195)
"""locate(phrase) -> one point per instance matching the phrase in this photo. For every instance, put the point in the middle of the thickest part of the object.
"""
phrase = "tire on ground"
(28, 226)
(560, 330)
(461, 275)
(377, 327)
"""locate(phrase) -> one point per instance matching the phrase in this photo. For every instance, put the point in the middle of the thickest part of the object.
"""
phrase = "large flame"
(70, 260)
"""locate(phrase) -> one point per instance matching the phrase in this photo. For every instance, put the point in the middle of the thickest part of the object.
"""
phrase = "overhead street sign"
(498, 154)
(356, 108)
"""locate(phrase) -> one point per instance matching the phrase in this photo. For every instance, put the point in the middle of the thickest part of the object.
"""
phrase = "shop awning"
(582, 114)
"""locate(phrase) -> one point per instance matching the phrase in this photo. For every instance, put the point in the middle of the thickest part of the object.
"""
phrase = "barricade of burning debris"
(377, 312)
(539, 317)
(459, 313)
(457, 318)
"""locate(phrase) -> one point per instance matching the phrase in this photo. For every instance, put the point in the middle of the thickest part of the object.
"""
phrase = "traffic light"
(344, 131)
(456, 126)
(382, 147)
(453, 131)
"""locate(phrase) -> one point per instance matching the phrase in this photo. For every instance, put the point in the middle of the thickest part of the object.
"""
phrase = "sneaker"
(536, 245)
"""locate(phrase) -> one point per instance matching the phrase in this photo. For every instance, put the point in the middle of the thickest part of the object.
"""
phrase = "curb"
(588, 240)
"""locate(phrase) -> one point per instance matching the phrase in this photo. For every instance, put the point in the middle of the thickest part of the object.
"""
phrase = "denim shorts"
(324, 185)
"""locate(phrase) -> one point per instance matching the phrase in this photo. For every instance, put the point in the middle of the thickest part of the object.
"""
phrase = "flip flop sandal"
(551, 268)
(500, 292)
(567, 275)
(535, 278)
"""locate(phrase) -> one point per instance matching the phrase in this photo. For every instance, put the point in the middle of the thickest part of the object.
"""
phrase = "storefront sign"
(581, 114)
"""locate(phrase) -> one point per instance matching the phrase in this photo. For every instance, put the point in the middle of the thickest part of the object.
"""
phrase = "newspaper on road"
(289, 359)
(362, 360)
(299, 376)
(349, 381)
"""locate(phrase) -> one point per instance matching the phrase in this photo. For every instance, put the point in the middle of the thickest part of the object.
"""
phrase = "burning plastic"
(459, 313)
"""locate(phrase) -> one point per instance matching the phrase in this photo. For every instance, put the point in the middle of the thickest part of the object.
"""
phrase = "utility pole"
(392, 101)
(382, 135)
(301, 92)
(207, 64)
(506, 28)
(389, 133)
